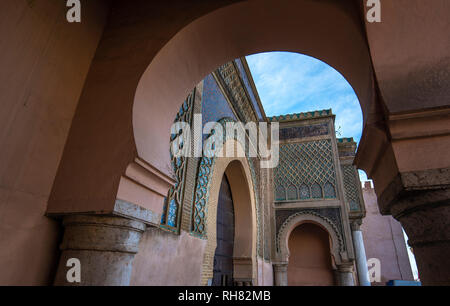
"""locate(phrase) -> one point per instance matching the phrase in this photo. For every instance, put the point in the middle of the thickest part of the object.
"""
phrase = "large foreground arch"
(137, 89)
(322, 29)
(111, 124)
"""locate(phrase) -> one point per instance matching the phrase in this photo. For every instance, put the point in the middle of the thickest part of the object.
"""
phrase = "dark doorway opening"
(223, 257)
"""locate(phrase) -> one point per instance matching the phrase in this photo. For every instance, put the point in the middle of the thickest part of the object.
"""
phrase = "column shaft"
(104, 246)
(428, 230)
(361, 260)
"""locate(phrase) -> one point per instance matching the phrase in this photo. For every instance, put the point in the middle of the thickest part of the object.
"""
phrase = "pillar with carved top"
(360, 253)
(420, 201)
(406, 154)
(104, 246)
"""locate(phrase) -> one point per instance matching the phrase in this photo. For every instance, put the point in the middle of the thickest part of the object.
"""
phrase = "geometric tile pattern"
(229, 74)
(297, 116)
(201, 196)
(350, 187)
(309, 167)
(244, 77)
(214, 104)
(203, 180)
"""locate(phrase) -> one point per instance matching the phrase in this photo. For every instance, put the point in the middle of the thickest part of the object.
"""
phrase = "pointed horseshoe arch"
(239, 176)
(337, 243)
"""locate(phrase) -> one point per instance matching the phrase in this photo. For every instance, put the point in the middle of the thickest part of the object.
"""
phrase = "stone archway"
(310, 260)
(156, 64)
(238, 173)
(137, 94)
(337, 243)
(337, 250)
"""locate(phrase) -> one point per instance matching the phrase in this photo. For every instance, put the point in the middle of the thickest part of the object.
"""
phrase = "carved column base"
(104, 246)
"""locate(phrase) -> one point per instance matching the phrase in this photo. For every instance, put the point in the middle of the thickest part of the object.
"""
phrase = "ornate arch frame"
(245, 251)
(337, 242)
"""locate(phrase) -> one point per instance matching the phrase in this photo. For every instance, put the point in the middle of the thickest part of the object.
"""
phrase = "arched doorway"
(230, 194)
(328, 240)
(223, 257)
(310, 262)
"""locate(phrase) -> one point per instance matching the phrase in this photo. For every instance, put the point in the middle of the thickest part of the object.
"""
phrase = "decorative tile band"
(351, 188)
(344, 140)
(170, 218)
(302, 116)
(201, 197)
(304, 131)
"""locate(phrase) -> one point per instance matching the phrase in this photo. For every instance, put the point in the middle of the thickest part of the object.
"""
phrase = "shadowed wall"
(309, 260)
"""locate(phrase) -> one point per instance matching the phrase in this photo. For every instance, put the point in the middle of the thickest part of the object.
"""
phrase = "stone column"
(420, 201)
(280, 271)
(428, 230)
(345, 274)
(105, 247)
(360, 254)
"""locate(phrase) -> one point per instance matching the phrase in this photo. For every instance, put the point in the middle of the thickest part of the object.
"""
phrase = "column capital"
(355, 224)
(102, 233)
(280, 266)
(410, 190)
(346, 267)
(420, 200)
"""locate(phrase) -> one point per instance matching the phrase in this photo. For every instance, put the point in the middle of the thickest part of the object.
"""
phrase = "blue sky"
(293, 83)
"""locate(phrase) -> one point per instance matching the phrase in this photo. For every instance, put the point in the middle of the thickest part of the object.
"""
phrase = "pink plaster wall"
(165, 259)
(44, 61)
(383, 239)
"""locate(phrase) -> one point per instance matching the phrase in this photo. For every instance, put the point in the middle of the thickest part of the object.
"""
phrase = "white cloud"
(294, 83)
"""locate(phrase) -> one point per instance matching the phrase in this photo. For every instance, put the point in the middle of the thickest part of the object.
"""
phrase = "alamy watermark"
(255, 139)
(373, 14)
(374, 269)
(74, 12)
(73, 275)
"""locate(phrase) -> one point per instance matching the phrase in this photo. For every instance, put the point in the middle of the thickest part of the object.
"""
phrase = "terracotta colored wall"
(44, 61)
(309, 259)
(167, 259)
(383, 239)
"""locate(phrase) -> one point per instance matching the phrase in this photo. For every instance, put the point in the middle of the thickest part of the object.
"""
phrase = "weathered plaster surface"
(168, 259)
(44, 61)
